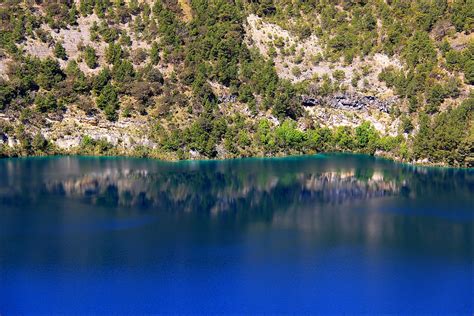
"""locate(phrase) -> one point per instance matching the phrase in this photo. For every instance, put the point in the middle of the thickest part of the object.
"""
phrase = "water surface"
(328, 233)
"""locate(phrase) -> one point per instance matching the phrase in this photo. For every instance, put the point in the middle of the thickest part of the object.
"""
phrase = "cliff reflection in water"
(218, 192)
(154, 206)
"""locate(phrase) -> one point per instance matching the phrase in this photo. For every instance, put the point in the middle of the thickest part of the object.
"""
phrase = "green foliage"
(338, 75)
(419, 50)
(469, 71)
(366, 138)
(421, 144)
(392, 144)
(217, 39)
(266, 8)
(72, 16)
(434, 97)
(427, 12)
(461, 60)
(114, 53)
(285, 102)
(155, 76)
(209, 51)
(49, 74)
(123, 71)
(407, 125)
(319, 139)
(86, 7)
(200, 136)
(108, 102)
(155, 53)
(90, 57)
(96, 147)
(60, 51)
(40, 145)
(446, 138)
(260, 75)
(462, 15)
(264, 136)
(6, 94)
(46, 102)
(101, 80)
(288, 136)
(169, 25)
(343, 138)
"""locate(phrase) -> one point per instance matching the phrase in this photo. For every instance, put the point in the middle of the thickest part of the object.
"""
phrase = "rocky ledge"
(350, 101)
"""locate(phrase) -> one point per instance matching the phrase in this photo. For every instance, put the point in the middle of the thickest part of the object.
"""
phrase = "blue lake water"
(325, 234)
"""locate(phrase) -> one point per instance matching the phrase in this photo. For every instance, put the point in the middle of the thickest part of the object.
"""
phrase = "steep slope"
(204, 79)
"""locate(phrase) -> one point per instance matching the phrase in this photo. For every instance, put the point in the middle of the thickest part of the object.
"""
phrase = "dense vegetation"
(209, 48)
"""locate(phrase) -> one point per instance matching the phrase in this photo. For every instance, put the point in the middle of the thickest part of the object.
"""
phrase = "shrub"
(338, 75)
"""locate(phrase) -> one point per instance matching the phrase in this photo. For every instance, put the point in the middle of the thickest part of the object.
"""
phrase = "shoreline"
(169, 159)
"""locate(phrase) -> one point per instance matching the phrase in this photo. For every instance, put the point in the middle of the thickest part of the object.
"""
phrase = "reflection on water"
(140, 188)
(337, 199)
(368, 230)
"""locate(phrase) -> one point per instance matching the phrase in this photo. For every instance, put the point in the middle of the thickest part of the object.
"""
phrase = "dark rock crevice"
(349, 101)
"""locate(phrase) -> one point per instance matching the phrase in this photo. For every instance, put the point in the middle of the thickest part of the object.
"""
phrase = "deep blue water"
(322, 234)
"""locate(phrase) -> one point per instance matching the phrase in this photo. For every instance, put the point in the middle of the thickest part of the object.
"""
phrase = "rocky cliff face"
(210, 79)
(67, 130)
(345, 101)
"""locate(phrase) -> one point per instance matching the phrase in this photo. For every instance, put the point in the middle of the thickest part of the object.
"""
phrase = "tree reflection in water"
(325, 200)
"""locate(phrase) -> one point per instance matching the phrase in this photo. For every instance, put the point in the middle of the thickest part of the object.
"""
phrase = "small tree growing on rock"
(60, 51)
(90, 57)
(108, 101)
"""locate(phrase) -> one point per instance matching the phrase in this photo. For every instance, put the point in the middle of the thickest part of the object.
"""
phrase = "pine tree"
(90, 57)
(60, 51)
(155, 54)
(108, 102)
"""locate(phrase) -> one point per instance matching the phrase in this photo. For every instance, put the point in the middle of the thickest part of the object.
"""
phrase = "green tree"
(46, 102)
(449, 130)
(419, 50)
(123, 71)
(462, 15)
(342, 138)
(288, 136)
(108, 101)
(49, 74)
(73, 13)
(101, 80)
(434, 97)
(421, 143)
(60, 51)
(366, 137)
(86, 7)
(407, 125)
(39, 144)
(469, 72)
(114, 53)
(285, 102)
(90, 57)
(155, 54)
(6, 94)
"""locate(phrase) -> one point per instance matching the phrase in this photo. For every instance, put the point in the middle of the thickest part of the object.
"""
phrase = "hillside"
(196, 79)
